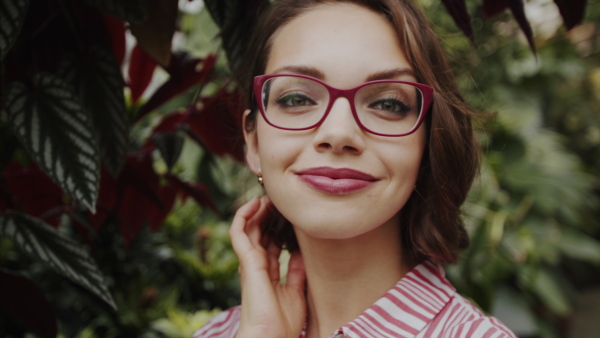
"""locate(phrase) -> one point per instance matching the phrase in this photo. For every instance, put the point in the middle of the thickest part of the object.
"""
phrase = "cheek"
(403, 156)
(276, 150)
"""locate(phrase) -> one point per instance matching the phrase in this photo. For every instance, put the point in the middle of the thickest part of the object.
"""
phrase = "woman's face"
(337, 181)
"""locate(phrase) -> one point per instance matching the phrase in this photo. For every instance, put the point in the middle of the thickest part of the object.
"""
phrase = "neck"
(346, 276)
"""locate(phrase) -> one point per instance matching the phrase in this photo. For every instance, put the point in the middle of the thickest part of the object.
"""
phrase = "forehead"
(346, 42)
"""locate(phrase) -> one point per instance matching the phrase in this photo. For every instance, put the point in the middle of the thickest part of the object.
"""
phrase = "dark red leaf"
(141, 69)
(5, 199)
(116, 29)
(155, 33)
(218, 123)
(139, 175)
(137, 191)
(138, 195)
(169, 123)
(572, 11)
(516, 7)
(132, 213)
(493, 7)
(26, 303)
(458, 10)
(196, 190)
(34, 192)
(156, 216)
(184, 73)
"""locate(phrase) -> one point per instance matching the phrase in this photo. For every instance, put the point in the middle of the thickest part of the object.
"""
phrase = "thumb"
(296, 276)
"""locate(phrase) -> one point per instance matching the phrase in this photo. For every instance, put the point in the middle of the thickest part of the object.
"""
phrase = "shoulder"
(460, 318)
(223, 325)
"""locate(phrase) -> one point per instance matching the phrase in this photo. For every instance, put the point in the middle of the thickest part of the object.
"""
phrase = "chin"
(335, 228)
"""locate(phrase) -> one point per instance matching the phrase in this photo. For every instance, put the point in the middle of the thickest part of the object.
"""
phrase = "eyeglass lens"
(296, 103)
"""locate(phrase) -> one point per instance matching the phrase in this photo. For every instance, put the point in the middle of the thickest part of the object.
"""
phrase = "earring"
(260, 179)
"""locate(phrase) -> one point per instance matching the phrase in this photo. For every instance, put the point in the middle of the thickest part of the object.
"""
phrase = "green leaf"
(52, 125)
(578, 245)
(169, 145)
(128, 10)
(550, 292)
(100, 83)
(60, 253)
(12, 15)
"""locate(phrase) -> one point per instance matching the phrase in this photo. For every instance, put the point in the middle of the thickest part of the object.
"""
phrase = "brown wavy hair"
(431, 225)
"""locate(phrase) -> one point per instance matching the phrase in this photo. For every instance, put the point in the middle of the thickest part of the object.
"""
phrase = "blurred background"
(121, 163)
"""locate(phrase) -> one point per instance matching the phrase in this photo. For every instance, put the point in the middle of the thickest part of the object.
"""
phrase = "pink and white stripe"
(423, 304)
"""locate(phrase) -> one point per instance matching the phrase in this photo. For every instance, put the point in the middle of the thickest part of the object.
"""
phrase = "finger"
(296, 276)
(267, 219)
(273, 252)
(239, 240)
(254, 226)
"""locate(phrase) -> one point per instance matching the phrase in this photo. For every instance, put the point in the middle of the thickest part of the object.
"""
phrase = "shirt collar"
(406, 308)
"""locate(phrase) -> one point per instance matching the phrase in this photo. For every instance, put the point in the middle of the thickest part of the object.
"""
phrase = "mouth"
(336, 181)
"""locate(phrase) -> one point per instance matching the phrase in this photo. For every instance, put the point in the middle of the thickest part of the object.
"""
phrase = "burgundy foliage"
(141, 70)
(518, 11)
(458, 10)
(33, 192)
(184, 72)
(493, 7)
(572, 11)
(195, 190)
(115, 28)
(23, 300)
(218, 123)
(139, 198)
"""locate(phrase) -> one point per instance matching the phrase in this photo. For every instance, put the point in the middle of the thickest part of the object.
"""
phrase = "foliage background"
(532, 216)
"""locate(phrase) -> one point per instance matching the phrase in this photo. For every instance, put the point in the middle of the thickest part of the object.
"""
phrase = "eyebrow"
(314, 72)
(303, 70)
(390, 74)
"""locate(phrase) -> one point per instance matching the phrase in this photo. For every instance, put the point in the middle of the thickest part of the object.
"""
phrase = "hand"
(269, 309)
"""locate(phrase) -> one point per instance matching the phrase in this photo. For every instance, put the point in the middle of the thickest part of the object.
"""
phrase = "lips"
(336, 181)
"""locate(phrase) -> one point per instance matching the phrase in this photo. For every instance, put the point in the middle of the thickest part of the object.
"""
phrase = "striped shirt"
(422, 304)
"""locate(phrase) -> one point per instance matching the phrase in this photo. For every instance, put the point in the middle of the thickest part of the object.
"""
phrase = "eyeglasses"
(383, 107)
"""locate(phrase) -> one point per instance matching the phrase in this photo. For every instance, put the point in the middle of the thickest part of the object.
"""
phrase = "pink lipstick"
(336, 181)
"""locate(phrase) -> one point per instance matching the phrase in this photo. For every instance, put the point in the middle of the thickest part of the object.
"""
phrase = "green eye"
(390, 105)
(295, 100)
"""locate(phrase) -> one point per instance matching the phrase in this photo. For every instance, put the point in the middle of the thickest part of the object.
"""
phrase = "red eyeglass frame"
(335, 93)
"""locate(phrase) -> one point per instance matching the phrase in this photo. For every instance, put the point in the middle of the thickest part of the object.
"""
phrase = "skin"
(347, 241)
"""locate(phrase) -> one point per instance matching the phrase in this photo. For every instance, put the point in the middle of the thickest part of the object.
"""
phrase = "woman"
(366, 149)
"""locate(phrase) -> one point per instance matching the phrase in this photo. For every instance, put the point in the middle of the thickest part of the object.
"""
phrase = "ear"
(251, 139)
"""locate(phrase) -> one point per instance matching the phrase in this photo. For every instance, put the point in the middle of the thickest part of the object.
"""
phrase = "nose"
(339, 133)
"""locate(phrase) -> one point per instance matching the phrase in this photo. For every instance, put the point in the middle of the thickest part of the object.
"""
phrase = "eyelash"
(404, 108)
(281, 101)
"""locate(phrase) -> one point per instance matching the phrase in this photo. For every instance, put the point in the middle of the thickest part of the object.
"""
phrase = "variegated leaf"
(100, 83)
(52, 125)
(45, 244)
(12, 15)
(128, 10)
(236, 19)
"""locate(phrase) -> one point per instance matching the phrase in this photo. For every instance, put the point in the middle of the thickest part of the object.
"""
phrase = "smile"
(336, 181)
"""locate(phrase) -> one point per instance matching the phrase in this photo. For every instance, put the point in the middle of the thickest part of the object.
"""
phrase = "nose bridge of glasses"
(336, 94)
(337, 107)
